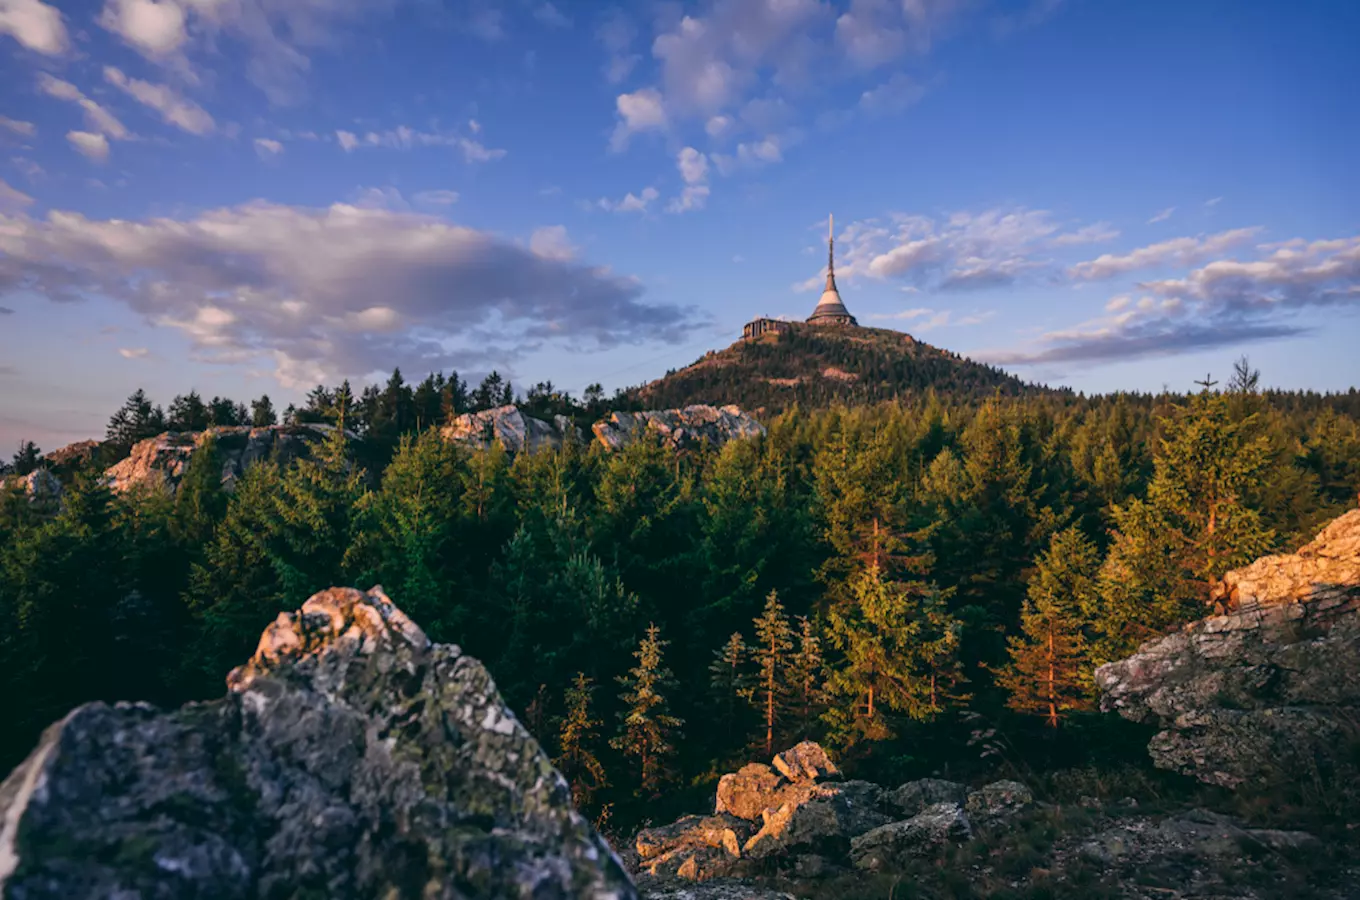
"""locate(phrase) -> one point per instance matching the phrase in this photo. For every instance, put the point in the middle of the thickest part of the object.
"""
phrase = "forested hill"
(818, 366)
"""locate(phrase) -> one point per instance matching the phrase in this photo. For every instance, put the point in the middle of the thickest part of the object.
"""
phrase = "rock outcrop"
(40, 486)
(161, 461)
(806, 822)
(1269, 690)
(678, 427)
(511, 429)
(351, 757)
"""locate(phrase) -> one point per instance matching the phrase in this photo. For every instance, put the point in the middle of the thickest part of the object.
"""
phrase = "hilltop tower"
(830, 310)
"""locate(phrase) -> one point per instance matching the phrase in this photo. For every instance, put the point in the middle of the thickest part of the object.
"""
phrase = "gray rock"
(40, 486)
(350, 758)
(1269, 687)
(893, 846)
(914, 796)
(997, 802)
(511, 429)
(678, 427)
(712, 890)
(806, 761)
(749, 791)
(820, 818)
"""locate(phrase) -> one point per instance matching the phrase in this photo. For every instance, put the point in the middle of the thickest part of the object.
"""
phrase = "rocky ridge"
(516, 432)
(40, 486)
(161, 461)
(351, 757)
(1270, 689)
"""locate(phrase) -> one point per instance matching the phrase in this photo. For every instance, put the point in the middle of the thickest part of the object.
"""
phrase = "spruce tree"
(647, 730)
(1050, 669)
(135, 421)
(807, 679)
(262, 412)
(730, 684)
(771, 652)
(578, 738)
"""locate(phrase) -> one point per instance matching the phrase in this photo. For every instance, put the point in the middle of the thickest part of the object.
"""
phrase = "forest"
(923, 584)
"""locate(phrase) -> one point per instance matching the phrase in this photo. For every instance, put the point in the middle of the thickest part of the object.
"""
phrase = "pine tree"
(1050, 669)
(807, 679)
(647, 730)
(136, 421)
(772, 654)
(262, 412)
(730, 684)
(188, 413)
(28, 458)
(578, 737)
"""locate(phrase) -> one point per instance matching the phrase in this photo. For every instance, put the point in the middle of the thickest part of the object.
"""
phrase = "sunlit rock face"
(511, 429)
(161, 461)
(685, 427)
(40, 486)
(1270, 689)
(350, 758)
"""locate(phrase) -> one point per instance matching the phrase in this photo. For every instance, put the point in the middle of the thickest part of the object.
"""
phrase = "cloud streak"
(333, 292)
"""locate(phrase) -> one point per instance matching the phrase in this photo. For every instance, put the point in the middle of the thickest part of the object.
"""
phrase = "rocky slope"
(1267, 691)
(40, 486)
(687, 427)
(161, 461)
(351, 757)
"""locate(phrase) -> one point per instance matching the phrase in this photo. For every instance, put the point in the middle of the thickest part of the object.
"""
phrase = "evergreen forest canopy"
(880, 578)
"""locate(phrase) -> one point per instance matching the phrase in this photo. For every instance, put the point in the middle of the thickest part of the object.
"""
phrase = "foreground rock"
(40, 486)
(1267, 691)
(685, 427)
(161, 461)
(350, 758)
(925, 834)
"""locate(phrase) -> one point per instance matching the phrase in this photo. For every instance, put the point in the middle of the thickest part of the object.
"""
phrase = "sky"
(256, 196)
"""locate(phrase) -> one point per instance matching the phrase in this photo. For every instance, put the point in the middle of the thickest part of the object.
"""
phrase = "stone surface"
(925, 834)
(749, 791)
(678, 427)
(711, 890)
(817, 818)
(511, 429)
(40, 486)
(161, 461)
(997, 802)
(914, 796)
(806, 761)
(350, 758)
(1267, 690)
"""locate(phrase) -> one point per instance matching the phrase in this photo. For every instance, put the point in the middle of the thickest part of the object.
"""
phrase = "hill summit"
(816, 365)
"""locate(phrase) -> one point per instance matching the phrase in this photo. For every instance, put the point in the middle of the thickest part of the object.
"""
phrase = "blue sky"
(250, 196)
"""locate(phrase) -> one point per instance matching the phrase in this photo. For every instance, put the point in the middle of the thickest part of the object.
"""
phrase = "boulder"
(817, 818)
(160, 462)
(1268, 689)
(749, 791)
(914, 796)
(712, 890)
(806, 761)
(998, 802)
(351, 757)
(722, 832)
(679, 428)
(40, 486)
(893, 846)
(510, 428)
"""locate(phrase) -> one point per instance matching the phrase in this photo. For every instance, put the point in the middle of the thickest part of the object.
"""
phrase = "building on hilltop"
(830, 309)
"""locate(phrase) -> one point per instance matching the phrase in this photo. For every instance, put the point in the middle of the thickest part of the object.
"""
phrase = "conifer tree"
(135, 421)
(262, 412)
(188, 412)
(578, 737)
(730, 684)
(807, 679)
(1050, 669)
(28, 458)
(647, 730)
(772, 690)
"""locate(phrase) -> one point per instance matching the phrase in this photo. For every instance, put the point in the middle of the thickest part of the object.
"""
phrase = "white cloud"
(176, 110)
(268, 148)
(27, 129)
(933, 318)
(637, 112)
(348, 140)
(551, 242)
(550, 15)
(1214, 201)
(93, 146)
(693, 166)
(617, 33)
(97, 118)
(692, 197)
(297, 286)
(1098, 233)
(892, 96)
(750, 155)
(1183, 251)
(474, 152)
(11, 198)
(154, 27)
(134, 352)
(405, 138)
(631, 202)
(437, 198)
(718, 126)
(474, 126)
(35, 25)
(1162, 216)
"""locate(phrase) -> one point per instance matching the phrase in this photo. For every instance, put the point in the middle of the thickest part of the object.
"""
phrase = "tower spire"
(831, 253)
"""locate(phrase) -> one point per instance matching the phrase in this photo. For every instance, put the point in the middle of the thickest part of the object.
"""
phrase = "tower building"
(830, 310)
